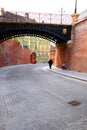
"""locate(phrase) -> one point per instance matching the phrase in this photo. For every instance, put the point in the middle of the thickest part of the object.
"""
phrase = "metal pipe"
(75, 6)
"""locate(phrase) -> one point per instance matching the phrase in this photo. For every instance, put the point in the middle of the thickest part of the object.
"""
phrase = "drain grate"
(74, 103)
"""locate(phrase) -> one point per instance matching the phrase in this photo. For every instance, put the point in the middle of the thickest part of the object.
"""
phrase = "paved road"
(33, 98)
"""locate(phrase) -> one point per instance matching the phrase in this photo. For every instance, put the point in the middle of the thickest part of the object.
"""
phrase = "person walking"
(50, 62)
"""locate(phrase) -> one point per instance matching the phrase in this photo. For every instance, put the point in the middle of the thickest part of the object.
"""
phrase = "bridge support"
(59, 56)
(75, 18)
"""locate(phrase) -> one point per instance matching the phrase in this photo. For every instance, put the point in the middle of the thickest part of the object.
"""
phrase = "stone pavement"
(6, 68)
(72, 74)
(23, 107)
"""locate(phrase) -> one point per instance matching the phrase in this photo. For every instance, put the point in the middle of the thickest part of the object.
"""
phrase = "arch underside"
(53, 33)
(18, 33)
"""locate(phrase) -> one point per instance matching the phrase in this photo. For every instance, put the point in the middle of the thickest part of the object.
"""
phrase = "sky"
(43, 6)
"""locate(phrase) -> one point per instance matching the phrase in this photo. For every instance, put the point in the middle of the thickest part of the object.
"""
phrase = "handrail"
(35, 17)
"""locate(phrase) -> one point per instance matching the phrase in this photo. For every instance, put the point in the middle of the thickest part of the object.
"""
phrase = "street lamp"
(75, 15)
(75, 6)
(61, 14)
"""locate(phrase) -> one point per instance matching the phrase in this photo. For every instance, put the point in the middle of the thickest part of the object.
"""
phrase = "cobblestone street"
(32, 98)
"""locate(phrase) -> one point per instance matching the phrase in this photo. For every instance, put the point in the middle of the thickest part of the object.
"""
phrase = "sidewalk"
(72, 74)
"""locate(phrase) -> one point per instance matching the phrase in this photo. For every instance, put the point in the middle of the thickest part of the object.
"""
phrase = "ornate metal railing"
(35, 17)
(61, 18)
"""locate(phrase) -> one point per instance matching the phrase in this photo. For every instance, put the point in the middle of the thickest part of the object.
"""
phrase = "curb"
(51, 70)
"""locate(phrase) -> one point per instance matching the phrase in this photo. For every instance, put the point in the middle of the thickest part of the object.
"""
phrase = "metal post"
(16, 16)
(61, 14)
(75, 6)
(50, 18)
(39, 17)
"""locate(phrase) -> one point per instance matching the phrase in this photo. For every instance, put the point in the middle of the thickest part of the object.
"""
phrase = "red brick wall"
(60, 55)
(11, 53)
(76, 56)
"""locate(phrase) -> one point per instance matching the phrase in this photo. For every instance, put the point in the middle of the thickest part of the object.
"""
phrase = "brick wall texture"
(76, 56)
(11, 53)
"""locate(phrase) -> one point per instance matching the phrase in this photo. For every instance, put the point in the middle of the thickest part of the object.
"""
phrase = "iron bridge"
(56, 33)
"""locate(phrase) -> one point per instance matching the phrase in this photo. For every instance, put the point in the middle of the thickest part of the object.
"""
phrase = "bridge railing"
(51, 18)
(35, 17)
(83, 15)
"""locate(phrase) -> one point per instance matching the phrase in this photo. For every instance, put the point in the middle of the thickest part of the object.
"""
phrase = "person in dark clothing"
(50, 62)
